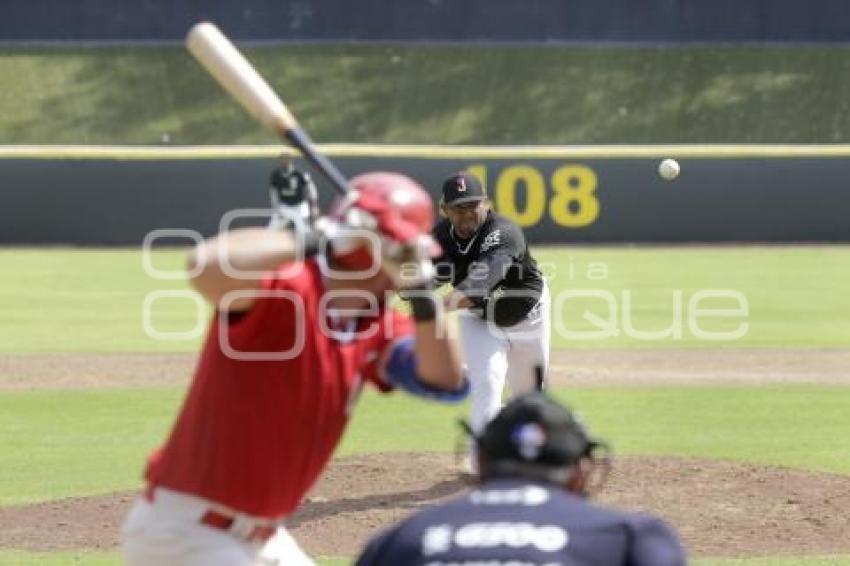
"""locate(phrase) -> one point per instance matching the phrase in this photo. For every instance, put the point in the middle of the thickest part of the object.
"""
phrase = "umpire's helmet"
(534, 436)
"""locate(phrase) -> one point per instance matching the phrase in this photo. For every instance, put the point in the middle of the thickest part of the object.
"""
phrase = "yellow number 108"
(573, 203)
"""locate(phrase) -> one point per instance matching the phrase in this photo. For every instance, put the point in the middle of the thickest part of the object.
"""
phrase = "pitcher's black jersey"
(493, 268)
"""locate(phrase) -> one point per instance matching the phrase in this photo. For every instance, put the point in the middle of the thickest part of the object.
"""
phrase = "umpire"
(502, 297)
(529, 506)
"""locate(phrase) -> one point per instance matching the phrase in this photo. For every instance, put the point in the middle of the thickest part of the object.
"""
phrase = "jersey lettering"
(531, 495)
(545, 538)
(492, 240)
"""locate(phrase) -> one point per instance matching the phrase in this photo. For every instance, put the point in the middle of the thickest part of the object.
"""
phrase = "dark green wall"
(106, 201)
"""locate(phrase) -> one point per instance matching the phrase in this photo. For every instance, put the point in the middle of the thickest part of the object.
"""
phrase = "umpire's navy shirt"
(516, 522)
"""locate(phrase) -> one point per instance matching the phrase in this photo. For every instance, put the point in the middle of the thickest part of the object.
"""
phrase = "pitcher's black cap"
(462, 187)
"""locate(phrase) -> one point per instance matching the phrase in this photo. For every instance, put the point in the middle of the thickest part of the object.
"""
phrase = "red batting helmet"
(402, 210)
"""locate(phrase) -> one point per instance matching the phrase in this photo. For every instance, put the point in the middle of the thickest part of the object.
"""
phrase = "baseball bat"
(232, 70)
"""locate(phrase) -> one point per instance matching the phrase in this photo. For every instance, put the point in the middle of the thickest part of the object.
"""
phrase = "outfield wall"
(432, 20)
(112, 196)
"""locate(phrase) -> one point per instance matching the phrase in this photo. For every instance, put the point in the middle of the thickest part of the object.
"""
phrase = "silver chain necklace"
(464, 250)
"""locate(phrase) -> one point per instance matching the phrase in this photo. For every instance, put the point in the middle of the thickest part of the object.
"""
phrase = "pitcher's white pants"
(167, 532)
(494, 355)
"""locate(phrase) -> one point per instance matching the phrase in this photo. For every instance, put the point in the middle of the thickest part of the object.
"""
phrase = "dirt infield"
(569, 367)
(720, 508)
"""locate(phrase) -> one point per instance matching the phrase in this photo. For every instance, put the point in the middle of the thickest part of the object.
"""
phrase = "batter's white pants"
(167, 532)
(494, 355)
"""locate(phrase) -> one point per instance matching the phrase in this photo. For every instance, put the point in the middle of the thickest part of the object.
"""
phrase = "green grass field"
(99, 438)
(90, 301)
(435, 94)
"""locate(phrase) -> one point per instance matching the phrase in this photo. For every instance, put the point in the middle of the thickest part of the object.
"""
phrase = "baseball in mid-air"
(669, 169)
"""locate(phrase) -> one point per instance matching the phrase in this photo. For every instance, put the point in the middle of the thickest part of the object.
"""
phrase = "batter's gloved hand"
(336, 238)
(293, 198)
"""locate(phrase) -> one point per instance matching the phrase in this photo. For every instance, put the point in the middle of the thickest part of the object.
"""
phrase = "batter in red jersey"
(294, 339)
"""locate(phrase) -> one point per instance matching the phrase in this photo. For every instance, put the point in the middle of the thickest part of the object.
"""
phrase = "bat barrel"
(237, 76)
(233, 72)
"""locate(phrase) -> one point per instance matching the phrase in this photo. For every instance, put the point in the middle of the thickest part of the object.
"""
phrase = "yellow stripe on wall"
(708, 151)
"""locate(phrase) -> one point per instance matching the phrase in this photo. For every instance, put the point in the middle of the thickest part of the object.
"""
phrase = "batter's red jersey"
(255, 435)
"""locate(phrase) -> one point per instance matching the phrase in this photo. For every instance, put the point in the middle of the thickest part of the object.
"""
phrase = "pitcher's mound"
(720, 508)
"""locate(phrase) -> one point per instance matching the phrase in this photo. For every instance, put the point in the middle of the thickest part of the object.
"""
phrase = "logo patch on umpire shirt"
(493, 239)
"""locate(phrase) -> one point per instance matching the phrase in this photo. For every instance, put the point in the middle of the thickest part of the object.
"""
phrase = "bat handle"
(299, 138)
